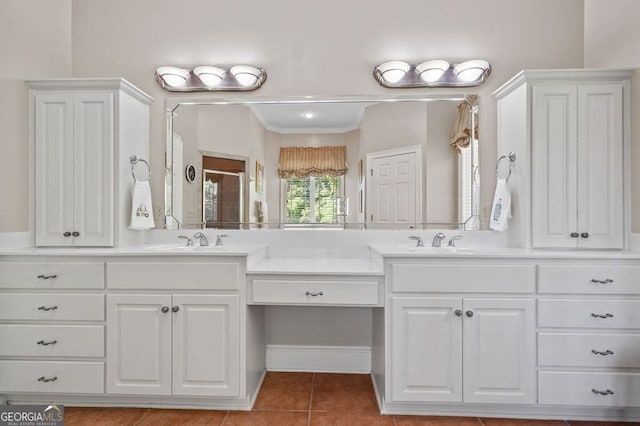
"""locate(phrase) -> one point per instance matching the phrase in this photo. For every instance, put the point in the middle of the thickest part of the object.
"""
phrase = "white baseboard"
(327, 359)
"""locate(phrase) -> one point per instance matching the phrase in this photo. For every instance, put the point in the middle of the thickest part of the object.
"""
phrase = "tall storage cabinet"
(83, 133)
(570, 132)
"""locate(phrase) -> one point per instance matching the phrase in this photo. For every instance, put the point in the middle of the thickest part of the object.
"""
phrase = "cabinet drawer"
(19, 306)
(52, 340)
(302, 292)
(467, 279)
(585, 313)
(52, 275)
(170, 276)
(589, 350)
(69, 377)
(588, 279)
(578, 388)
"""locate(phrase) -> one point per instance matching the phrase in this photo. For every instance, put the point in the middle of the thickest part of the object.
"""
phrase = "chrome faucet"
(189, 240)
(219, 239)
(452, 241)
(437, 240)
(419, 242)
(203, 239)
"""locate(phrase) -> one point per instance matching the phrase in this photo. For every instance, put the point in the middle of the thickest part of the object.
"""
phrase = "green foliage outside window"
(301, 192)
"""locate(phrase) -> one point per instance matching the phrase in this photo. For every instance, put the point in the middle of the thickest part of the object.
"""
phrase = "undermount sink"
(184, 248)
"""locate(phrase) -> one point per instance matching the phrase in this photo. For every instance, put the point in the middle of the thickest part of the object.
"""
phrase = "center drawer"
(314, 292)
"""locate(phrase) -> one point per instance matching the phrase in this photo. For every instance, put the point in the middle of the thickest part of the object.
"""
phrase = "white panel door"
(139, 344)
(554, 166)
(53, 169)
(499, 351)
(600, 175)
(395, 190)
(426, 349)
(206, 345)
(93, 169)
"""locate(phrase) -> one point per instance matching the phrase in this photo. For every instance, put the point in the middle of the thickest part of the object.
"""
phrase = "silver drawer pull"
(45, 380)
(50, 308)
(43, 343)
(605, 353)
(602, 316)
(605, 392)
(606, 281)
(48, 277)
(308, 293)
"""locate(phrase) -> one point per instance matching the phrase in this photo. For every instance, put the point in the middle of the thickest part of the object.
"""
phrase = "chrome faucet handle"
(437, 240)
(219, 238)
(203, 239)
(189, 240)
(452, 241)
(419, 241)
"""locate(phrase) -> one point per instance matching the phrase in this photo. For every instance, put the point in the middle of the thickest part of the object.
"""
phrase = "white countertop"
(410, 250)
(143, 250)
(318, 266)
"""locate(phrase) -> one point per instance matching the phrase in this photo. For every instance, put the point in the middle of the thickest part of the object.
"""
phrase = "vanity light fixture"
(432, 73)
(208, 78)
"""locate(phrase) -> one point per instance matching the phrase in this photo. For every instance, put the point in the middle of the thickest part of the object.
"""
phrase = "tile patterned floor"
(291, 399)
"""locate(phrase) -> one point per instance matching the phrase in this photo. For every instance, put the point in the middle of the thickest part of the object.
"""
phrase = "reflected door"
(222, 199)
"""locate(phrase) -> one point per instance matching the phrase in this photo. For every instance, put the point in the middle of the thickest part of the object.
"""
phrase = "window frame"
(339, 198)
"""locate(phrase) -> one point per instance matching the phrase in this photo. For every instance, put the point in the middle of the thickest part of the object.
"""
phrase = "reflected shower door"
(222, 199)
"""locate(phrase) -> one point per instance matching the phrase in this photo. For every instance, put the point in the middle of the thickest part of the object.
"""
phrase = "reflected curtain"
(302, 162)
(460, 136)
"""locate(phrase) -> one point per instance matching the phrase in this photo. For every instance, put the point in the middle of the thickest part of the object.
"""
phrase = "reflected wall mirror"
(412, 163)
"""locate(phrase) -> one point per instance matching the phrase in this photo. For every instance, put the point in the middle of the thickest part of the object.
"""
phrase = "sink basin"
(181, 248)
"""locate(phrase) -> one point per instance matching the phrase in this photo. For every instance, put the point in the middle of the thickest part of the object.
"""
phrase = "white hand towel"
(141, 207)
(501, 210)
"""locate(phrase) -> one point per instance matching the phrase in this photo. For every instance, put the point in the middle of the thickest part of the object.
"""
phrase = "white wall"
(611, 39)
(36, 43)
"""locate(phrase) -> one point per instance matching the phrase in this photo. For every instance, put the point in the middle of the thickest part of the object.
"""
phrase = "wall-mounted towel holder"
(134, 160)
(512, 158)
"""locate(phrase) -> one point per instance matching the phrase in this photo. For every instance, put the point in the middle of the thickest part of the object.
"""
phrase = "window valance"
(302, 162)
(461, 133)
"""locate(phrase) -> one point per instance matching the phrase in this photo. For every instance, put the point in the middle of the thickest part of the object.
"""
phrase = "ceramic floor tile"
(581, 423)
(266, 418)
(285, 391)
(437, 421)
(95, 416)
(343, 392)
(331, 418)
(167, 417)
(523, 422)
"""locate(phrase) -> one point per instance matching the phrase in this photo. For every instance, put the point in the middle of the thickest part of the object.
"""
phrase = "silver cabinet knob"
(47, 277)
(605, 353)
(574, 235)
(605, 281)
(308, 293)
(602, 316)
(66, 234)
(458, 312)
(175, 309)
(164, 309)
(43, 343)
(45, 380)
(469, 314)
(47, 308)
(584, 235)
(604, 392)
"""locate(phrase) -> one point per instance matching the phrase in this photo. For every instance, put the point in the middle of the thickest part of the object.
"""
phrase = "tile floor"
(296, 399)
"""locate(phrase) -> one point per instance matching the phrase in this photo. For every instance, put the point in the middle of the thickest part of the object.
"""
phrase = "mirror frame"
(173, 103)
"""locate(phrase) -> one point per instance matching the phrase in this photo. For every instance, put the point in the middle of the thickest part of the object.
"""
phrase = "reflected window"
(312, 200)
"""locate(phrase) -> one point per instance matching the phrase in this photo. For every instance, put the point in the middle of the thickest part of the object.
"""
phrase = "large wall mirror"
(411, 164)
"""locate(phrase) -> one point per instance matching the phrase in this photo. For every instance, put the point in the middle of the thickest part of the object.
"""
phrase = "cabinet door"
(426, 349)
(554, 170)
(138, 344)
(93, 169)
(499, 351)
(53, 128)
(600, 166)
(206, 345)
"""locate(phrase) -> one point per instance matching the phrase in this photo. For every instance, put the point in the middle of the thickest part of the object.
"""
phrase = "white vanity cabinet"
(83, 132)
(51, 325)
(458, 336)
(570, 132)
(174, 328)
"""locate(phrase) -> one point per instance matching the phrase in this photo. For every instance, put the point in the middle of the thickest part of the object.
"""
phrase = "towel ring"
(512, 158)
(134, 162)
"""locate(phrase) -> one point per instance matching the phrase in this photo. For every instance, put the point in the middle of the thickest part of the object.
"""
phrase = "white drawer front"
(588, 279)
(51, 275)
(167, 275)
(52, 340)
(584, 313)
(589, 350)
(590, 389)
(315, 292)
(467, 279)
(52, 307)
(52, 376)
